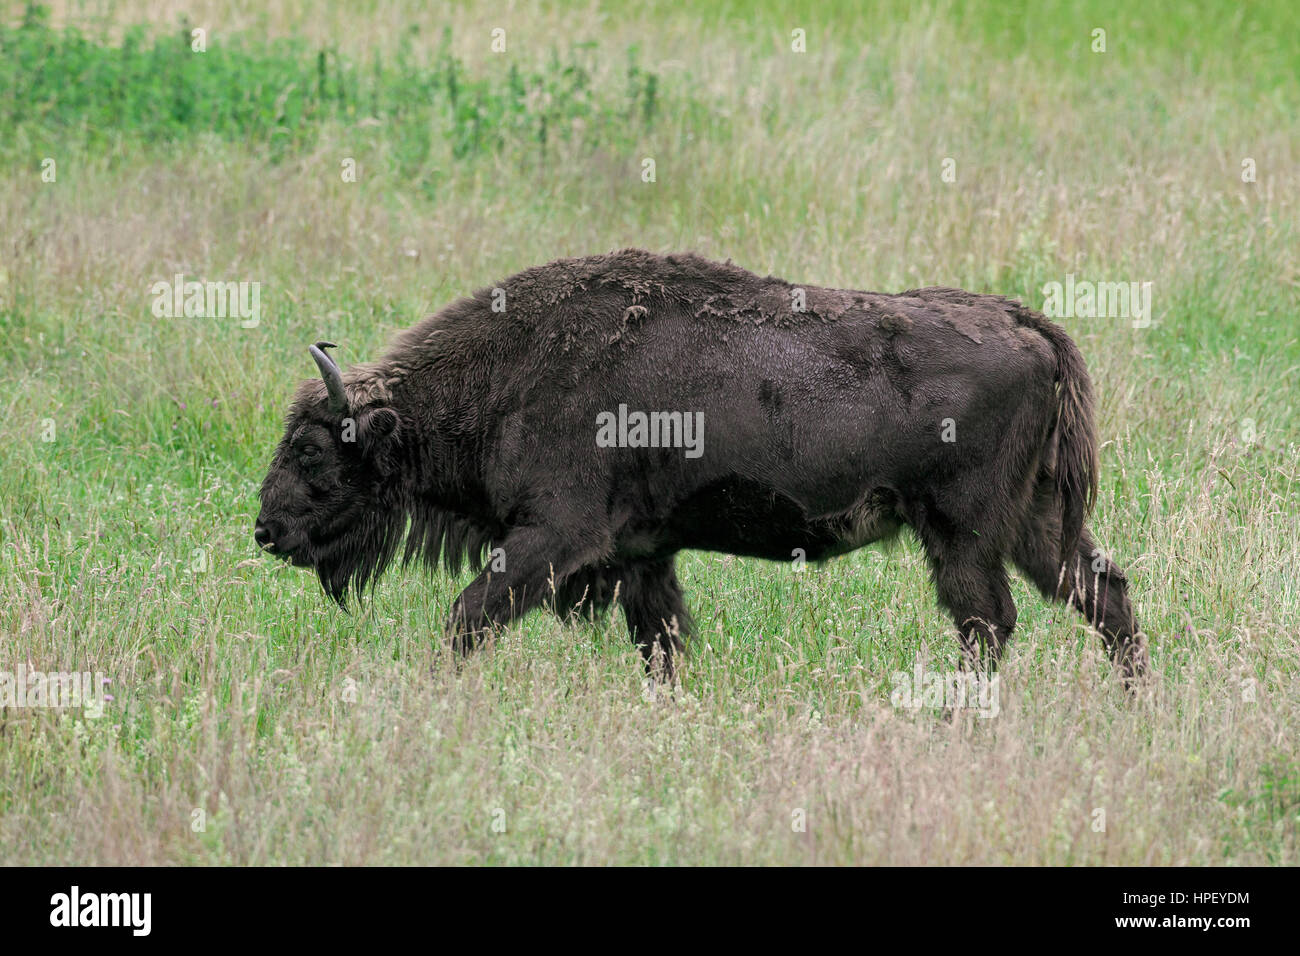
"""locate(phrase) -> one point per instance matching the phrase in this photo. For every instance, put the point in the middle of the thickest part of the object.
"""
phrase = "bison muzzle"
(571, 429)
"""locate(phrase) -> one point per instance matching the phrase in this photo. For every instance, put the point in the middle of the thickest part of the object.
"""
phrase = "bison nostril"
(261, 534)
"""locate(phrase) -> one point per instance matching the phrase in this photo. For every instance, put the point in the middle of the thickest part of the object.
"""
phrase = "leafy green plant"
(57, 84)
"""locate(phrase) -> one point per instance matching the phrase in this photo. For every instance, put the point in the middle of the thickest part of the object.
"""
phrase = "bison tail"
(1072, 446)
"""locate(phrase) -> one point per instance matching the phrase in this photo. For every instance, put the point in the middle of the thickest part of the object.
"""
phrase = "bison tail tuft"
(1073, 442)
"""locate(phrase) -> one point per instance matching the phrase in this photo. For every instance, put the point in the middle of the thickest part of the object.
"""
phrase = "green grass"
(234, 684)
(64, 88)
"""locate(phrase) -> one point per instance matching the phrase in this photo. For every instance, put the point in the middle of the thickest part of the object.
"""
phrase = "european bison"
(572, 429)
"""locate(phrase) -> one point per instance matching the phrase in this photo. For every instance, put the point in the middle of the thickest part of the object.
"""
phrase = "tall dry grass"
(305, 736)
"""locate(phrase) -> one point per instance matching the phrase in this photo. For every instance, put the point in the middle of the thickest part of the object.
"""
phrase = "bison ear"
(376, 429)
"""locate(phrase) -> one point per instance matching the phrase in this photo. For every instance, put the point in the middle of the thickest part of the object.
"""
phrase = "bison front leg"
(656, 613)
(534, 564)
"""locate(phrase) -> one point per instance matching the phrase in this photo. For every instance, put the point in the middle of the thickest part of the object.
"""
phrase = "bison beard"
(834, 418)
(360, 556)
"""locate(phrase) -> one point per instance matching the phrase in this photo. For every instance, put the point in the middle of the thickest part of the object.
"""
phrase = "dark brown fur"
(477, 431)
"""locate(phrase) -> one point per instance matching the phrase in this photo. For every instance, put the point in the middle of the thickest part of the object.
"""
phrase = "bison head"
(329, 500)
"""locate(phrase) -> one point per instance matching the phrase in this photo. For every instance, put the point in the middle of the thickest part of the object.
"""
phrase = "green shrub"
(61, 84)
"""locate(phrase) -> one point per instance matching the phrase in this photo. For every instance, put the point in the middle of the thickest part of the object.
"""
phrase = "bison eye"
(310, 452)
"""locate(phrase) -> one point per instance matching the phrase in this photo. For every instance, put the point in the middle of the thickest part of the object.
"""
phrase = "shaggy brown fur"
(831, 418)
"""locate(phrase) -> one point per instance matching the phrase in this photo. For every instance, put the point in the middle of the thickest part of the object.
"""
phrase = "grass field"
(984, 146)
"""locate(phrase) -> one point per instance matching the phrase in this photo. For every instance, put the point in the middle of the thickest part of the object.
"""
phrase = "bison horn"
(332, 376)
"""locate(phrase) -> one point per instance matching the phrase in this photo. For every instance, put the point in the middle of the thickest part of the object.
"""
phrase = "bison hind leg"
(1095, 586)
(971, 584)
(978, 596)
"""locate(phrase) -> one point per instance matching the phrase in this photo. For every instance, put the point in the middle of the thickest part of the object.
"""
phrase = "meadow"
(366, 163)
